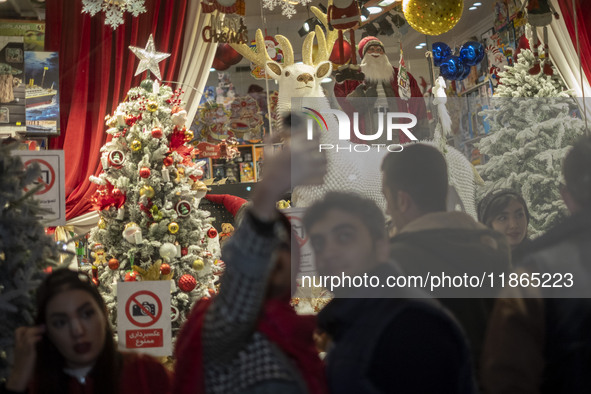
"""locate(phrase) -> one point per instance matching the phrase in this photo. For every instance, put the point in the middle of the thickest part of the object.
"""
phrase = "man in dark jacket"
(539, 339)
(432, 242)
(388, 343)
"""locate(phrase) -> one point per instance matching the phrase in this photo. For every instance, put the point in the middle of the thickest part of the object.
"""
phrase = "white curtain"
(563, 52)
(197, 59)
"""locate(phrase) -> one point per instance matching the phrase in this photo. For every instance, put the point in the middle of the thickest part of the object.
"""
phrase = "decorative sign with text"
(226, 29)
(144, 317)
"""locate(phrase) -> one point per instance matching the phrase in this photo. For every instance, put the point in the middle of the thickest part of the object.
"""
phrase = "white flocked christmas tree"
(150, 226)
(533, 124)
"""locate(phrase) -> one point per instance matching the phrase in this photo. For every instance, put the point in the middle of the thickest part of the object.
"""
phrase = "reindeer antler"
(286, 48)
(325, 42)
(258, 57)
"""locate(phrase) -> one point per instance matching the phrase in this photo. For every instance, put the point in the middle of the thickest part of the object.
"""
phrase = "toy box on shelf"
(244, 168)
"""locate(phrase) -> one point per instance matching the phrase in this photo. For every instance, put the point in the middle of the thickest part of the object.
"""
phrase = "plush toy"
(227, 230)
(539, 14)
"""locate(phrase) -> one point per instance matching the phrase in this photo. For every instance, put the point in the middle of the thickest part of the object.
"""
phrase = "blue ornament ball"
(472, 53)
(452, 68)
(440, 51)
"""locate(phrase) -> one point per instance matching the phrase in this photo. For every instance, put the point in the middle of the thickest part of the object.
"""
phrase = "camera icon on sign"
(137, 311)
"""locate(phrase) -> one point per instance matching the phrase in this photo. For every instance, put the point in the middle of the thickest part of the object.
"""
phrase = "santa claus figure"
(370, 87)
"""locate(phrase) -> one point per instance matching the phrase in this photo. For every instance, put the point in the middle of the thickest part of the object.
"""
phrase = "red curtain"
(584, 29)
(96, 71)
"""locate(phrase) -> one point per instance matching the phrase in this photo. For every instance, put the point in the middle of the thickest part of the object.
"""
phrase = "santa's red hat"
(231, 203)
(367, 42)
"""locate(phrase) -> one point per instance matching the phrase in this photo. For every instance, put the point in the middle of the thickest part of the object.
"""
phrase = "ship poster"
(12, 89)
(42, 95)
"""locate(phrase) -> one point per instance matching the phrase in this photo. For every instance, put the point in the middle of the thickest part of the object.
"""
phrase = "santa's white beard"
(377, 69)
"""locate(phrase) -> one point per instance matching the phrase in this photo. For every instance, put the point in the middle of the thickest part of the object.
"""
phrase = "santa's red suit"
(354, 88)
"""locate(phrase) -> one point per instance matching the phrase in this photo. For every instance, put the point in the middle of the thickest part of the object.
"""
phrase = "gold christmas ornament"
(432, 17)
(101, 224)
(198, 265)
(147, 191)
(189, 135)
(152, 106)
(173, 227)
(136, 145)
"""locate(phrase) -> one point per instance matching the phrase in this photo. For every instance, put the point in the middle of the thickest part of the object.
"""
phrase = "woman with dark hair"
(505, 211)
(71, 347)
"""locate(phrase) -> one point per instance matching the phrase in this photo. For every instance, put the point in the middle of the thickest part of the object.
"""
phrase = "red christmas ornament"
(212, 233)
(335, 56)
(165, 269)
(157, 132)
(113, 264)
(168, 161)
(187, 283)
(227, 54)
(117, 193)
(131, 276)
(144, 172)
(219, 65)
(184, 251)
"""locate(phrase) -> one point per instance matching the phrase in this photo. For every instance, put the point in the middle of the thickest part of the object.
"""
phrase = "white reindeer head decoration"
(295, 79)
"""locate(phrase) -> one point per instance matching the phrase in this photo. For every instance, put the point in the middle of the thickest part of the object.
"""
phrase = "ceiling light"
(418, 47)
(308, 26)
(423, 44)
(386, 3)
(477, 4)
(374, 10)
(472, 8)
(211, 70)
(363, 18)
(326, 80)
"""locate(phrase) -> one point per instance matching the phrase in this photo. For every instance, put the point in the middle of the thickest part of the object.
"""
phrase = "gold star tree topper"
(149, 58)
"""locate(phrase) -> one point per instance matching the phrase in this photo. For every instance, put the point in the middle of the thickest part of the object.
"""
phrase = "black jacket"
(455, 244)
(394, 345)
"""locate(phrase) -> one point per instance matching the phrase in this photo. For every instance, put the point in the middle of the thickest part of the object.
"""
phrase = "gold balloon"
(173, 227)
(101, 224)
(136, 145)
(432, 17)
(198, 265)
(147, 191)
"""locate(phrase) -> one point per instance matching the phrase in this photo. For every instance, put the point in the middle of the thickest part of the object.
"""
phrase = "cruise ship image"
(37, 95)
